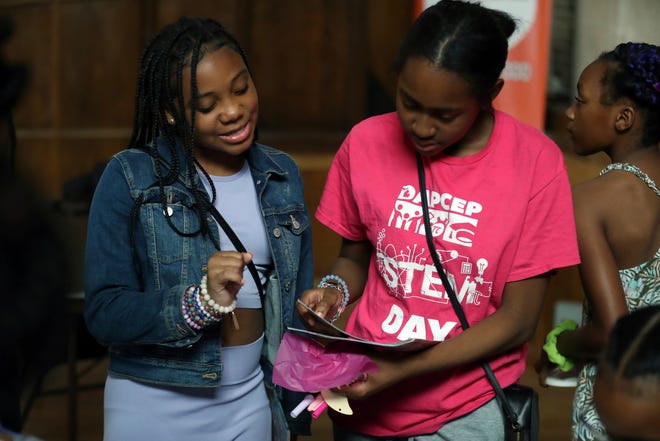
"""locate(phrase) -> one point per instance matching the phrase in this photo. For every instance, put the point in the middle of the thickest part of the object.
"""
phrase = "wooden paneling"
(168, 11)
(30, 44)
(97, 57)
(310, 60)
(230, 13)
(387, 22)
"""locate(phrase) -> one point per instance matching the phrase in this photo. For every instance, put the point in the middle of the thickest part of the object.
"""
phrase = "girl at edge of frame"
(502, 220)
(627, 385)
(191, 340)
(616, 111)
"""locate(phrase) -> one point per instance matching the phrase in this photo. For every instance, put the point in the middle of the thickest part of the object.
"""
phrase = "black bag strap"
(238, 245)
(510, 414)
(232, 237)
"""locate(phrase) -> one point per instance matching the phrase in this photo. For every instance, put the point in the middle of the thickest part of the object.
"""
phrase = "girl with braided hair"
(616, 111)
(192, 316)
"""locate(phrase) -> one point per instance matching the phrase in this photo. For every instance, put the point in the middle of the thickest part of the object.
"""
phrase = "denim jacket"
(133, 296)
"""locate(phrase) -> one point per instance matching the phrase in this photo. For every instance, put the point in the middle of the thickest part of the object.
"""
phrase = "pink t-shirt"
(501, 215)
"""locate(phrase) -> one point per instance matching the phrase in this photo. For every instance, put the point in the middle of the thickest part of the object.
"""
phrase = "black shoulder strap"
(456, 304)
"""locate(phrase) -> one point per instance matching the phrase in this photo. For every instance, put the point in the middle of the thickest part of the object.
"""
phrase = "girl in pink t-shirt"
(501, 217)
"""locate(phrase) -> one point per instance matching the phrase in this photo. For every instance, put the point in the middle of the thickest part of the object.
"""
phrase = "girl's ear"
(493, 93)
(625, 118)
(497, 88)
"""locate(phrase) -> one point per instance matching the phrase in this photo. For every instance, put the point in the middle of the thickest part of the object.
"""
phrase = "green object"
(550, 347)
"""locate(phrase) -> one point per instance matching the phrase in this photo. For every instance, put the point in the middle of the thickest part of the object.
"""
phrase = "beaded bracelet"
(336, 282)
(205, 309)
(188, 307)
(218, 309)
(550, 347)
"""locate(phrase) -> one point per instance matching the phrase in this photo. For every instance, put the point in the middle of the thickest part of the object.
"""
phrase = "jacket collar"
(265, 160)
(262, 160)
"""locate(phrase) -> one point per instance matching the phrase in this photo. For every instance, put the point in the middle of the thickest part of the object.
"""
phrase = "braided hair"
(159, 97)
(633, 348)
(634, 73)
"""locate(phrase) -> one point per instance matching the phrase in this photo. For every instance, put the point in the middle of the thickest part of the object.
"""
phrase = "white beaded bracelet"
(212, 303)
(218, 309)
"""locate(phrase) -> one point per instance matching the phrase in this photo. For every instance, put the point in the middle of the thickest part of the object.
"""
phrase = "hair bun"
(642, 60)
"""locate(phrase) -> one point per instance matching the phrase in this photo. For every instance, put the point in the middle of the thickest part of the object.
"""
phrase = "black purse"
(519, 403)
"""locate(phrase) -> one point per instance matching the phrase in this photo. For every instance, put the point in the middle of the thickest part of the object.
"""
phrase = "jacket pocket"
(168, 229)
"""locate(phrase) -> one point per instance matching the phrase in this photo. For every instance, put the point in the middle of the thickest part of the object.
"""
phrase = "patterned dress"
(641, 285)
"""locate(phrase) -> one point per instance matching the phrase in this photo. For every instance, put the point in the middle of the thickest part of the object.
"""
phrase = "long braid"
(632, 350)
(159, 95)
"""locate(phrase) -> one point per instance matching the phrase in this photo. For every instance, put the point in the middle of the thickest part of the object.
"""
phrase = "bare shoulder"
(620, 208)
(616, 185)
(590, 198)
(614, 197)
